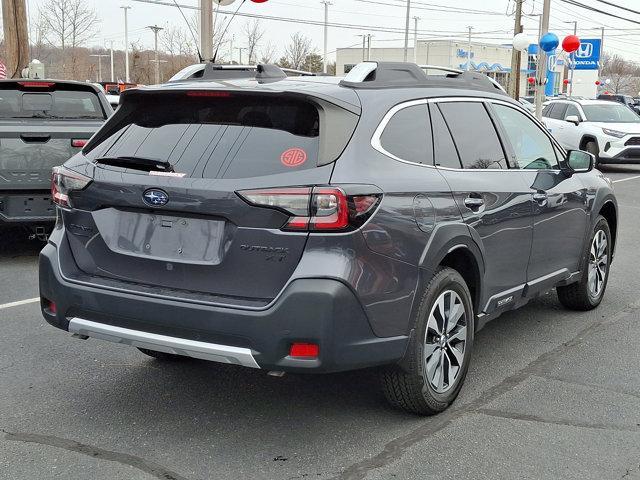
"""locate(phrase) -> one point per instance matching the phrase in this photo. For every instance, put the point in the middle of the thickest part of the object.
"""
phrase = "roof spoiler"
(263, 72)
(371, 75)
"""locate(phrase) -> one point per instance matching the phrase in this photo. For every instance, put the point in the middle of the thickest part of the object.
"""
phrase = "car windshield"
(610, 113)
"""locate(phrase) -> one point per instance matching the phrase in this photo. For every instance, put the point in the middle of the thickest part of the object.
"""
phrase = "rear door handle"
(541, 197)
(474, 202)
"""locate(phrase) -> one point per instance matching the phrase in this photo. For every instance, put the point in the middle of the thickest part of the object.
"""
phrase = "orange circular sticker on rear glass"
(293, 157)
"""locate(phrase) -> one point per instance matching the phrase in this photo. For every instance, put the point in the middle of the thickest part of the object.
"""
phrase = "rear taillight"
(316, 209)
(78, 142)
(65, 181)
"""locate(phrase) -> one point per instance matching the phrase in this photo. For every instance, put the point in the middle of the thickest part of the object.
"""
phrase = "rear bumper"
(321, 311)
(26, 208)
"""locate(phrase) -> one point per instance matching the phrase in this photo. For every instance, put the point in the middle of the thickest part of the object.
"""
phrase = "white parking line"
(626, 179)
(19, 302)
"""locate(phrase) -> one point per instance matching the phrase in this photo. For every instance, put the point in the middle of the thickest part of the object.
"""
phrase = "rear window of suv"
(62, 104)
(219, 135)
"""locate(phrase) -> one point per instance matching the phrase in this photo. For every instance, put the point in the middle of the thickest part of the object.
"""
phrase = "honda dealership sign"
(587, 56)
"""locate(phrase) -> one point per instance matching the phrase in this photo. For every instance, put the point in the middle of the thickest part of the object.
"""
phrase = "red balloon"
(598, 82)
(531, 80)
(566, 81)
(606, 93)
(258, 1)
(571, 43)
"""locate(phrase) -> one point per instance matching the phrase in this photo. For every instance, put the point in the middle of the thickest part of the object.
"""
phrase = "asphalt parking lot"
(550, 394)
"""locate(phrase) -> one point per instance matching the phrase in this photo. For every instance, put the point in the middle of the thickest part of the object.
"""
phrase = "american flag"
(3, 71)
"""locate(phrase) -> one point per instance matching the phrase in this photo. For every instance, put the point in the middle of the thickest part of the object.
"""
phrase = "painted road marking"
(19, 302)
(627, 179)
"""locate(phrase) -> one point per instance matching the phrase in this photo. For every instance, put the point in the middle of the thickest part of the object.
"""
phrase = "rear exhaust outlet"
(275, 373)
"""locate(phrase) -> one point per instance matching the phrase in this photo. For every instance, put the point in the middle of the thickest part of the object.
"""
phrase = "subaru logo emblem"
(155, 197)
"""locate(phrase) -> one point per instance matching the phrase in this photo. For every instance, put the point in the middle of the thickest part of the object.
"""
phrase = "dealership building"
(493, 60)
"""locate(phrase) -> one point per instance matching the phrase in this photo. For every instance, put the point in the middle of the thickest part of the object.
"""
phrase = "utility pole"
(516, 55)
(126, 43)
(112, 72)
(99, 56)
(406, 31)
(156, 29)
(325, 59)
(415, 39)
(369, 46)
(541, 67)
(206, 28)
(469, 50)
(364, 46)
(16, 36)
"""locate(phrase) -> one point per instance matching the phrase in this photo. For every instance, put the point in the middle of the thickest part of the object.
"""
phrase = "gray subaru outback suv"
(315, 225)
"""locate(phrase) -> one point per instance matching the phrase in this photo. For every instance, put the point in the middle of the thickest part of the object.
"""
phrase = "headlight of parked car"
(613, 133)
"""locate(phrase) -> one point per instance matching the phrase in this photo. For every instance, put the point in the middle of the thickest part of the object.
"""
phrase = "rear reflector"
(36, 84)
(304, 350)
(78, 142)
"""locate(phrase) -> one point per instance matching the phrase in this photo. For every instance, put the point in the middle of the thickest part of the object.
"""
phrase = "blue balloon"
(549, 42)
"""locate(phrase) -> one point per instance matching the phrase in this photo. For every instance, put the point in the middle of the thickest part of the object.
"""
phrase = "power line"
(620, 7)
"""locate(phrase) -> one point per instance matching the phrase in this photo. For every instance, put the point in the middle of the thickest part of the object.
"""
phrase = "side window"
(444, 150)
(532, 147)
(558, 111)
(546, 111)
(408, 135)
(474, 135)
(572, 110)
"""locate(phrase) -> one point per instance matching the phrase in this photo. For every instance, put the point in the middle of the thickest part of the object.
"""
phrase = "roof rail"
(215, 71)
(372, 75)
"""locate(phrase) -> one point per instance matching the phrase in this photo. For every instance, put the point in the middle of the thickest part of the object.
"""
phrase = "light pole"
(156, 29)
(99, 57)
(369, 46)
(240, 49)
(415, 39)
(326, 34)
(573, 59)
(514, 85)
(541, 69)
(112, 72)
(469, 50)
(126, 42)
(406, 31)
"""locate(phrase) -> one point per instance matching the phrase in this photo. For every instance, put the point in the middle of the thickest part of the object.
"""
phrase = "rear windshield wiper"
(137, 163)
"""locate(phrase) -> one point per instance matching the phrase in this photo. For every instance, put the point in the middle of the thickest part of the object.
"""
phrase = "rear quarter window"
(407, 135)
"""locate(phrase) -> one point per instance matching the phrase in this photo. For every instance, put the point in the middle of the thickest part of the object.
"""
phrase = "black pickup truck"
(42, 124)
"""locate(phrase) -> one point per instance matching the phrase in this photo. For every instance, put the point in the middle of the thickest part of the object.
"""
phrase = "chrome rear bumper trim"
(162, 343)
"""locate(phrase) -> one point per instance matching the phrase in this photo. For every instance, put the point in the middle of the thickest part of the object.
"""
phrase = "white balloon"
(607, 81)
(522, 41)
(223, 3)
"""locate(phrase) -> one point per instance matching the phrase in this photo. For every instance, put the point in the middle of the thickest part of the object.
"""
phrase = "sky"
(492, 21)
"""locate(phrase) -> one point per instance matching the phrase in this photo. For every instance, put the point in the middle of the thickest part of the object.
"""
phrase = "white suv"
(608, 130)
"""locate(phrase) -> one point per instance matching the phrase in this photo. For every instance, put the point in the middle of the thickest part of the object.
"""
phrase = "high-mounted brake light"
(78, 142)
(207, 93)
(65, 181)
(317, 209)
(36, 84)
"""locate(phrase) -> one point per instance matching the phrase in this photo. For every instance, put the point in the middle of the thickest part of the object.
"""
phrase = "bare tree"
(38, 36)
(297, 51)
(253, 34)
(68, 24)
(623, 74)
(268, 53)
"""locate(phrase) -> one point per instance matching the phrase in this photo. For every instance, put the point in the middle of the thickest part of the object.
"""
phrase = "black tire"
(408, 386)
(592, 147)
(166, 357)
(581, 295)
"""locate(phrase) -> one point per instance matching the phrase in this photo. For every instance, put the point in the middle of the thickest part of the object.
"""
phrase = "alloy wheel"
(598, 263)
(445, 341)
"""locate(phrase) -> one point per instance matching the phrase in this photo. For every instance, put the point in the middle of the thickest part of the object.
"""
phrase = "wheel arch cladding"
(610, 213)
(586, 139)
(462, 260)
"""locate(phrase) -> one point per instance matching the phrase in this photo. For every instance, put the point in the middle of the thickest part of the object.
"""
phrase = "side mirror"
(573, 119)
(578, 161)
